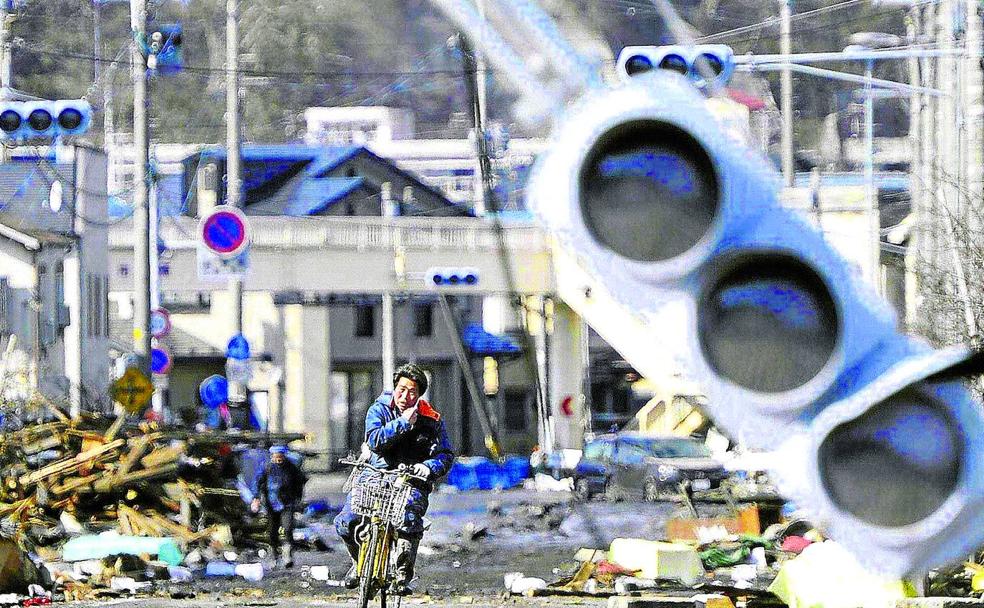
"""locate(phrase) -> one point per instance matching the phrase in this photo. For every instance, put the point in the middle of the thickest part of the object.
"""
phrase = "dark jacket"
(281, 486)
(394, 441)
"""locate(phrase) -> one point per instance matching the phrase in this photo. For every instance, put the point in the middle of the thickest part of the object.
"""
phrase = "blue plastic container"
(517, 469)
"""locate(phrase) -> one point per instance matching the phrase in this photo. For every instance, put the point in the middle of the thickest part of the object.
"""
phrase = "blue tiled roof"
(295, 180)
(316, 195)
(482, 342)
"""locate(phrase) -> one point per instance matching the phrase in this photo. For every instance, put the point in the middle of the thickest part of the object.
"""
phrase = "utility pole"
(389, 346)
(786, 91)
(141, 216)
(96, 39)
(6, 65)
(237, 392)
(109, 110)
(974, 112)
(927, 177)
(870, 193)
(6, 62)
(481, 91)
(917, 190)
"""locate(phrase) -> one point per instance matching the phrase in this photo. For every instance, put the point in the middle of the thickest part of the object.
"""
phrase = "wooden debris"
(69, 464)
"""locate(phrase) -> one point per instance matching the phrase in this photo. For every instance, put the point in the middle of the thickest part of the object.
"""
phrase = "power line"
(774, 21)
(252, 72)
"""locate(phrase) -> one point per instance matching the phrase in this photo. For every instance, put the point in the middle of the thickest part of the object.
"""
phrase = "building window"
(423, 320)
(514, 416)
(59, 284)
(104, 303)
(365, 326)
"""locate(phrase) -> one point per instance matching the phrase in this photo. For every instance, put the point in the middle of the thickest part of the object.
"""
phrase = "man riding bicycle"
(401, 429)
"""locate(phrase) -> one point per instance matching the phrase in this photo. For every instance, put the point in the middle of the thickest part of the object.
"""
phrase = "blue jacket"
(394, 441)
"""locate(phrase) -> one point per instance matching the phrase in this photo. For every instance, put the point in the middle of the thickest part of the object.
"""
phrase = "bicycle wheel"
(367, 576)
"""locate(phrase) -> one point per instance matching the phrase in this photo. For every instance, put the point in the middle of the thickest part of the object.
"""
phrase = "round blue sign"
(224, 231)
(214, 391)
(238, 348)
(160, 361)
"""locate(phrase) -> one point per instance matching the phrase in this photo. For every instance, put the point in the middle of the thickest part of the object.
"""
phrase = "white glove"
(422, 470)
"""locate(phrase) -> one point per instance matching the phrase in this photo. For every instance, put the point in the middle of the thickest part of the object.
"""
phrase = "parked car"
(634, 465)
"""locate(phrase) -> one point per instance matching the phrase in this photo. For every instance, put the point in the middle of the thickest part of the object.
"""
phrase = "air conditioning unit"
(64, 316)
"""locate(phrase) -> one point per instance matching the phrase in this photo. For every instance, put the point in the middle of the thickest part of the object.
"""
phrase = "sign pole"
(237, 392)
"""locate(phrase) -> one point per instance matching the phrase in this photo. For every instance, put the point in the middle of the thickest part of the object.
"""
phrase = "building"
(54, 277)
(322, 260)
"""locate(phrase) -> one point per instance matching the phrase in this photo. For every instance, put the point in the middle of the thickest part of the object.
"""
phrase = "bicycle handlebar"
(366, 465)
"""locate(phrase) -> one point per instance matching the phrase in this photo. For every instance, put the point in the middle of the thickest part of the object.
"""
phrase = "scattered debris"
(93, 506)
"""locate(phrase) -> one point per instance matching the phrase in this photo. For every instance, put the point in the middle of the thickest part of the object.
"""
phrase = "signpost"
(160, 323)
(132, 390)
(238, 369)
(160, 361)
(224, 232)
(223, 245)
(214, 391)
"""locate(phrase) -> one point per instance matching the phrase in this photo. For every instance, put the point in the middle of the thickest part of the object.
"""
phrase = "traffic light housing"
(40, 120)
(706, 65)
(166, 56)
(451, 276)
(795, 353)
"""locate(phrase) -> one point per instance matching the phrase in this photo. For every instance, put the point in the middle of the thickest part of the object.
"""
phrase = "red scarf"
(424, 409)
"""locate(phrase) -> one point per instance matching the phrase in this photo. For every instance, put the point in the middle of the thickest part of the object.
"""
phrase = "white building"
(54, 278)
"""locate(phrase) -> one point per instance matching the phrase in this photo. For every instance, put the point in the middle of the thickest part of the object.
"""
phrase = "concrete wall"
(87, 286)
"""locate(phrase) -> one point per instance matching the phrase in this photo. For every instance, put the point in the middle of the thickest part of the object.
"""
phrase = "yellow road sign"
(132, 390)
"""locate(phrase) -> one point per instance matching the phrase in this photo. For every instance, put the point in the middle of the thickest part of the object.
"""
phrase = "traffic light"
(32, 120)
(795, 353)
(706, 65)
(165, 54)
(442, 277)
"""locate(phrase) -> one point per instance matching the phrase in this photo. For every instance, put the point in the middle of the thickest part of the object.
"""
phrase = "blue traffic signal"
(794, 352)
(706, 65)
(43, 120)
(165, 49)
(443, 277)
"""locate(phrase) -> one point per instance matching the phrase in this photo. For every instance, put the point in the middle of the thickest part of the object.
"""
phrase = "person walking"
(280, 488)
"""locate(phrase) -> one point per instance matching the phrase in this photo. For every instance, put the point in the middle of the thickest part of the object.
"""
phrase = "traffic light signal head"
(685, 229)
(706, 65)
(451, 276)
(33, 120)
(165, 49)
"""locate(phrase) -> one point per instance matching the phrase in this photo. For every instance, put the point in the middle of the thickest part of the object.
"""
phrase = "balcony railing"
(470, 234)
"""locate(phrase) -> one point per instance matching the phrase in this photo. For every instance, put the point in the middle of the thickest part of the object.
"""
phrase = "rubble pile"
(102, 507)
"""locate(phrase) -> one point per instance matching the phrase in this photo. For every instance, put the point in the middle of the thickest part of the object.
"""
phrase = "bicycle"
(381, 501)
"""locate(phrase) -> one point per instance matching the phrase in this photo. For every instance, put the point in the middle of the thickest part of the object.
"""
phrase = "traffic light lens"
(10, 121)
(40, 120)
(70, 119)
(638, 64)
(711, 63)
(895, 465)
(648, 191)
(768, 324)
(674, 63)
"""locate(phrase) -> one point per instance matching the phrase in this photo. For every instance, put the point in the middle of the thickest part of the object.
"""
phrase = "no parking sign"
(224, 232)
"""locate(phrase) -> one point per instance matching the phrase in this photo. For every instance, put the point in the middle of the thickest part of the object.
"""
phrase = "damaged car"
(629, 465)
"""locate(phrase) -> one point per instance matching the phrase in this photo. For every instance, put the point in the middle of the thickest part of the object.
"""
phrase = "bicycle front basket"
(383, 497)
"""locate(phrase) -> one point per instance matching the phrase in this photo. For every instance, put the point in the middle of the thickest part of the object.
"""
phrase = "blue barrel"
(517, 469)
(488, 474)
(463, 475)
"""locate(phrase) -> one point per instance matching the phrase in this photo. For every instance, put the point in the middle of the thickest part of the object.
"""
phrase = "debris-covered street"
(99, 511)
(621, 303)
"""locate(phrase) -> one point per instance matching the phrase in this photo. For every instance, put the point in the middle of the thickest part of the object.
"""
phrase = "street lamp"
(861, 42)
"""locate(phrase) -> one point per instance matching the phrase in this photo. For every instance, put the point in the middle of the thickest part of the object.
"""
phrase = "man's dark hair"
(412, 372)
